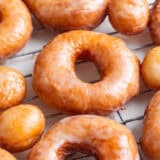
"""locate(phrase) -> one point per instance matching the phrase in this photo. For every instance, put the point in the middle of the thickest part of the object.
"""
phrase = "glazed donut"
(16, 27)
(6, 155)
(150, 140)
(129, 16)
(56, 83)
(63, 15)
(12, 87)
(103, 137)
(21, 127)
(151, 68)
(154, 24)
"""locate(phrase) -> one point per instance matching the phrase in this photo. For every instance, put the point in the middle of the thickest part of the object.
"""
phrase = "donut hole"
(86, 69)
(76, 151)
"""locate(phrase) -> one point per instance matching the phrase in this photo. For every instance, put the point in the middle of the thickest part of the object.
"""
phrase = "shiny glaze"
(12, 87)
(103, 137)
(151, 68)
(56, 83)
(4, 155)
(129, 16)
(150, 140)
(155, 23)
(21, 127)
(65, 15)
(15, 27)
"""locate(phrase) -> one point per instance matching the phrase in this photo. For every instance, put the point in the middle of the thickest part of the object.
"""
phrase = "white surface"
(131, 116)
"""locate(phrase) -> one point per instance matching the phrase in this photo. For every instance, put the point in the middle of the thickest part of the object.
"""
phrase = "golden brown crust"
(63, 15)
(12, 87)
(15, 27)
(129, 16)
(6, 155)
(21, 127)
(154, 24)
(56, 83)
(101, 136)
(151, 68)
(150, 140)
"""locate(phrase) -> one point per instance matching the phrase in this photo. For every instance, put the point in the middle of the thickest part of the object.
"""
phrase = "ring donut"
(6, 155)
(154, 24)
(15, 28)
(56, 83)
(150, 140)
(12, 87)
(103, 137)
(129, 16)
(63, 15)
(21, 127)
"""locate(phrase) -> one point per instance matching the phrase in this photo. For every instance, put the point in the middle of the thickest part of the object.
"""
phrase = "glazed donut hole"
(151, 68)
(21, 127)
(12, 87)
(54, 76)
(62, 15)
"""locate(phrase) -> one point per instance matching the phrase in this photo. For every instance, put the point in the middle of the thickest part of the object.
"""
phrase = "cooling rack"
(133, 113)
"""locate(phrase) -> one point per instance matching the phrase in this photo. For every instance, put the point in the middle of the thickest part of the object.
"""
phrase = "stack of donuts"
(57, 85)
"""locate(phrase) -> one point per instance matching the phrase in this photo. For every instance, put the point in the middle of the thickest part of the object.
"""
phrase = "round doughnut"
(129, 16)
(103, 137)
(15, 28)
(63, 15)
(154, 24)
(150, 140)
(12, 87)
(21, 127)
(56, 83)
(151, 68)
(6, 155)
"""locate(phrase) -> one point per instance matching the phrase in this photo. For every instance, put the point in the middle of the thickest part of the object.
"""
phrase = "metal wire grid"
(55, 115)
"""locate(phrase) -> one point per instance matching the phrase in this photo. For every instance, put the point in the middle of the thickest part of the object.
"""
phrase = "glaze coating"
(6, 155)
(21, 127)
(151, 68)
(129, 16)
(12, 87)
(64, 15)
(56, 83)
(154, 24)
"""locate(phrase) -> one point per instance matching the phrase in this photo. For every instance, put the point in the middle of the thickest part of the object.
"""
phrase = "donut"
(102, 137)
(12, 87)
(129, 16)
(150, 140)
(56, 83)
(64, 15)
(16, 27)
(6, 155)
(21, 127)
(151, 68)
(154, 24)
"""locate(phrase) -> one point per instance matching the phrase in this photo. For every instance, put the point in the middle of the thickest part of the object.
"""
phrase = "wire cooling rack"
(133, 113)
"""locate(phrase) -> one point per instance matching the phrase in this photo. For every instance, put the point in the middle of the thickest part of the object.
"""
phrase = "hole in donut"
(86, 70)
(76, 151)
